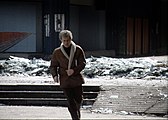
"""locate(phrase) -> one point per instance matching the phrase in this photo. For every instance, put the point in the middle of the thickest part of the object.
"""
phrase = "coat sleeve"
(54, 64)
(81, 62)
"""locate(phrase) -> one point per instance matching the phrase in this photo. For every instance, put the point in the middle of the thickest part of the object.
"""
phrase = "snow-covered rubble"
(143, 68)
(128, 68)
(23, 66)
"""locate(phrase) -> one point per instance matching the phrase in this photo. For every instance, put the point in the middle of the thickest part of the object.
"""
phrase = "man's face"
(66, 41)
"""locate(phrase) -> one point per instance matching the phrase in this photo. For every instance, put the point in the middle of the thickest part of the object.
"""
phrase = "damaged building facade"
(111, 27)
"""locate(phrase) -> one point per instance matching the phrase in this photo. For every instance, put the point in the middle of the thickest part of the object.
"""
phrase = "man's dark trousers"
(74, 97)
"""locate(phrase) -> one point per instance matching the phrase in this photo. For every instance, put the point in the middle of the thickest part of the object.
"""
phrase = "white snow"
(144, 71)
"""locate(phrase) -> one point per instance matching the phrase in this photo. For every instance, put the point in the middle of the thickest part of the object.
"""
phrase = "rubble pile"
(138, 68)
(128, 68)
(23, 66)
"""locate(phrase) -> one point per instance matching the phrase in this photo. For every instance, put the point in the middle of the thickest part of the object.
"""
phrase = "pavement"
(61, 113)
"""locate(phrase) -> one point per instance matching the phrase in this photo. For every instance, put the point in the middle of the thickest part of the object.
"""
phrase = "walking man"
(67, 62)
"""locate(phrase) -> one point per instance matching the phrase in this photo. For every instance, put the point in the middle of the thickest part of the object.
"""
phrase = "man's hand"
(56, 79)
(70, 72)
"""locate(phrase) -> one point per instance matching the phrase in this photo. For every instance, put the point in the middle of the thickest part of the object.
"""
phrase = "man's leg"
(78, 95)
(73, 110)
(72, 106)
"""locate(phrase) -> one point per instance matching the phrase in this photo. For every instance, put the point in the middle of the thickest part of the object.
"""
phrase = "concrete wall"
(22, 17)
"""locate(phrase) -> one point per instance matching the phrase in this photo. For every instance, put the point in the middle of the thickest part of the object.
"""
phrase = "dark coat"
(59, 65)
